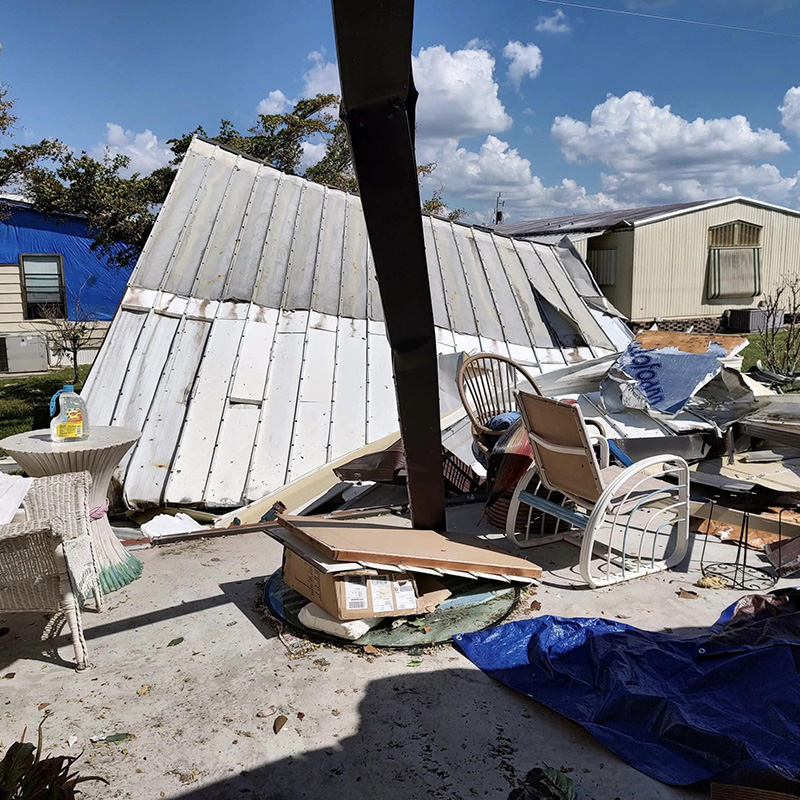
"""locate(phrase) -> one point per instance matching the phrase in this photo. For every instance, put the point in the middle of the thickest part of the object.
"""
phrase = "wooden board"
(382, 544)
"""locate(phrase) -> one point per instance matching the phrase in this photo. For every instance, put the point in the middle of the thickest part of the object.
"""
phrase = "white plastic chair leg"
(513, 506)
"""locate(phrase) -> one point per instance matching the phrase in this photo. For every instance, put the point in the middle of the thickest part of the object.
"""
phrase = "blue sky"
(565, 110)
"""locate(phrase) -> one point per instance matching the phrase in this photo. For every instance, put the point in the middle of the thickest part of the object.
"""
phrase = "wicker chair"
(486, 385)
(47, 562)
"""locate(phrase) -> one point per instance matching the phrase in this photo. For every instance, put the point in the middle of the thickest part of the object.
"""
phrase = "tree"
(436, 206)
(17, 160)
(276, 138)
(782, 343)
(120, 211)
(68, 337)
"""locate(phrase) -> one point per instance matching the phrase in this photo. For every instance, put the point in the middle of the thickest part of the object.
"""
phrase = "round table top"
(100, 436)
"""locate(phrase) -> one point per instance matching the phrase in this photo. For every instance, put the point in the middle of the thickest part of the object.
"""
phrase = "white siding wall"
(671, 261)
(621, 241)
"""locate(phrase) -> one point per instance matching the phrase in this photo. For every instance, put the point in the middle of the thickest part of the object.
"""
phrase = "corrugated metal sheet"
(603, 264)
(597, 221)
(625, 217)
(250, 347)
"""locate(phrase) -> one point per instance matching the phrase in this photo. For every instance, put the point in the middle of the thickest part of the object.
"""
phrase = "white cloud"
(144, 149)
(658, 156)
(322, 78)
(790, 111)
(555, 23)
(525, 61)
(458, 95)
(478, 44)
(276, 102)
(473, 179)
(312, 154)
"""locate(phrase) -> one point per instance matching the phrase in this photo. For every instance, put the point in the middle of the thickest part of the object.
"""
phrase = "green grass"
(25, 402)
(754, 350)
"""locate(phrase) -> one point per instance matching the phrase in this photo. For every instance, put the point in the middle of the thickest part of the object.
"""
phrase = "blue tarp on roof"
(723, 705)
(86, 272)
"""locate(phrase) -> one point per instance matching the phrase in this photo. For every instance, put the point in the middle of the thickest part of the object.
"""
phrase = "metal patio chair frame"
(606, 500)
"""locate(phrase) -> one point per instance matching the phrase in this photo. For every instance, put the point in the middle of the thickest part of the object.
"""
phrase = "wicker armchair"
(47, 562)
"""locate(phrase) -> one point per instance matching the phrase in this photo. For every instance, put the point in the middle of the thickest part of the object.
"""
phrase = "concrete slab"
(202, 711)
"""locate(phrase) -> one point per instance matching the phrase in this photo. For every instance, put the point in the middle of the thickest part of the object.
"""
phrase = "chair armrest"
(16, 529)
(605, 453)
(640, 466)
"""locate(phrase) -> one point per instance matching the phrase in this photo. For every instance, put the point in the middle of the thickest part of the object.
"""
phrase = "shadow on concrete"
(38, 637)
(445, 735)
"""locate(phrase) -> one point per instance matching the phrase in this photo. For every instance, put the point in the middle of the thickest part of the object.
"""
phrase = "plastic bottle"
(71, 423)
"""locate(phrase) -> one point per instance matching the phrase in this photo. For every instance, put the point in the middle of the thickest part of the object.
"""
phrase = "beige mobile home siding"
(623, 243)
(671, 261)
(12, 316)
(10, 295)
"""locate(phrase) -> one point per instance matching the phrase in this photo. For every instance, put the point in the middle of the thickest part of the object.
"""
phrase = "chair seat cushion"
(502, 422)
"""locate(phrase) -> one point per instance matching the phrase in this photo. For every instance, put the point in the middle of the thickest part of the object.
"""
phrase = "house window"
(43, 286)
(603, 264)
(734, 260)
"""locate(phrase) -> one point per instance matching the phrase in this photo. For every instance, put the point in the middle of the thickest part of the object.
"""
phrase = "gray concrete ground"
(201, 712)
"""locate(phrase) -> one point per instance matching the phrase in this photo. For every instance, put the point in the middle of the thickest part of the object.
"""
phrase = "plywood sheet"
(382, 544)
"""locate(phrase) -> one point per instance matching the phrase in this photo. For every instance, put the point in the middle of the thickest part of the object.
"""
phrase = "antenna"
(498, 206)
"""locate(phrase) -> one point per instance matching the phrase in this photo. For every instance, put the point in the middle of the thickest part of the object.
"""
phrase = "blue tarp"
(722, 705)
(86, 272)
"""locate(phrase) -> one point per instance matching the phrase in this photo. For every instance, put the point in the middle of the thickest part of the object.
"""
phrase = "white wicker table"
(99, 455)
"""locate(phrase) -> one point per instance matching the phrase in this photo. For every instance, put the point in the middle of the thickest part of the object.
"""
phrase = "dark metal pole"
(373, 43)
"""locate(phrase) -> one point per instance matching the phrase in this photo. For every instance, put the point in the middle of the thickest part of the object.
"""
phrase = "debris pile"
(357, 575)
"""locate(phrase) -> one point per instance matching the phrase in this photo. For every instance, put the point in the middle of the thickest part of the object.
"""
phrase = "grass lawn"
(25, 402)
(755, 349)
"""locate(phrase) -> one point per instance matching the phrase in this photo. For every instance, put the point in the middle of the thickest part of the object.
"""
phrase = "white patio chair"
(633, 520)
(47, 562)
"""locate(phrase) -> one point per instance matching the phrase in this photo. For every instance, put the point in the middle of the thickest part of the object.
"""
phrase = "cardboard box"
(362, 594)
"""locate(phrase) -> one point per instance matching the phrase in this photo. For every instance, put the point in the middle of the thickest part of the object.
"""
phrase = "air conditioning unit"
(753, 320)
(23, 352)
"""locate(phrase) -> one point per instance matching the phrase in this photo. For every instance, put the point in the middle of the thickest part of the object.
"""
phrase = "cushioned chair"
(633, 519)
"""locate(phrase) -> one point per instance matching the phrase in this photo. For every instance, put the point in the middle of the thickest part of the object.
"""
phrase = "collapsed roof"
(250, 347)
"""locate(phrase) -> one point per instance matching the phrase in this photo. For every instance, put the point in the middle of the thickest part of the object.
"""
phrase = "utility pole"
(498, 209)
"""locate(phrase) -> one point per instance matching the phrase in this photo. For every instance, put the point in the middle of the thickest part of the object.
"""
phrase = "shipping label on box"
(360, 594)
